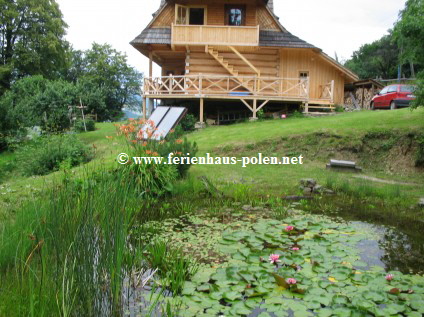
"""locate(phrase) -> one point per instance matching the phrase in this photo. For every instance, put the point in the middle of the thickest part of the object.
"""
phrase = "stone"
(297, 198)
(308, 182)
(307, 190)
(421, 203)
(200, 125)
(318, 189)
(251, 119)
(329, 192)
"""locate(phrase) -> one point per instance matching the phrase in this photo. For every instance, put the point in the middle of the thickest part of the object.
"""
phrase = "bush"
(90, 124)
(188, 122)
(46, 154)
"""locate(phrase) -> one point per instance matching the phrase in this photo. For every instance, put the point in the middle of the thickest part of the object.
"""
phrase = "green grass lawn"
(246, 138)
(243, 139)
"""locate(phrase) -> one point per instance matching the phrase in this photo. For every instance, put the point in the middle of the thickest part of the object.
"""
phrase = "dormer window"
(235, 15)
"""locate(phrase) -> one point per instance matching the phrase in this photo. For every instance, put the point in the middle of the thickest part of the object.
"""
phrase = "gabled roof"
(270, 5)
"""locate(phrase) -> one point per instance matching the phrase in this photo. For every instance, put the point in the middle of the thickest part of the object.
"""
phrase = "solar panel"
(174, 115)
(164, 119)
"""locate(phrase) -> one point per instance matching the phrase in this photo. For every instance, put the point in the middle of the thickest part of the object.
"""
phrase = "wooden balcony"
(227, 87)
(215, 35)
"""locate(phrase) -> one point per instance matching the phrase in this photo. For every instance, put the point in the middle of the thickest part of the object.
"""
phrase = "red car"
(393, 96)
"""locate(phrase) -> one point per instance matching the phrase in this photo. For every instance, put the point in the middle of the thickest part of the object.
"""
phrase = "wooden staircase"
(230, 68)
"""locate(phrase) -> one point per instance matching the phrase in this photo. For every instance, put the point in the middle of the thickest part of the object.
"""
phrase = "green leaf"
(280, 281)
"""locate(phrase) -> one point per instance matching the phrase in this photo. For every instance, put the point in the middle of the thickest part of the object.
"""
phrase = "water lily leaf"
(203, 288)
(280, 281)
(394, 291)
(325, 312)
(342, 312)
(417, 305)
(360, 264)
(264, 314)
(231, 296)
(189, 288)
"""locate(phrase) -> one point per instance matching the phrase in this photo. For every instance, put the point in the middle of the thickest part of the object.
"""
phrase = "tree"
(378, 59)
(105, 69)
(31, 39)
(36, 101)
(409, 32)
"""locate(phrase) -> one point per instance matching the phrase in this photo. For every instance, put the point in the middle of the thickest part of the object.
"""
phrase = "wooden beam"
(201, 119)
(247, 105)
(150, 64)
(263, 105)
(255, 103)
(144, 108)
(244, 59)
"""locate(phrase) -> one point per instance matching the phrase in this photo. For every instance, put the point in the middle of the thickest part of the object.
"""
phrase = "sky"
(335, 26)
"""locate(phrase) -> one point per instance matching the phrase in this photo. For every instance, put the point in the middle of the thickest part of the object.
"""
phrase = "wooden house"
(235, 50)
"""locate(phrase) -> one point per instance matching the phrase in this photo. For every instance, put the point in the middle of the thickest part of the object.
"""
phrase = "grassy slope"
(282, 180)
(275, 180)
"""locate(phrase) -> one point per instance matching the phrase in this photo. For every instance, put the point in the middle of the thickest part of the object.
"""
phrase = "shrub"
(188, 122)
(46, 154)
(90, 124)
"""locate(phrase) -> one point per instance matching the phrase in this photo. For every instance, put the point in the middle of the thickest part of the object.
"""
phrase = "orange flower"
(148, 152)
(109, 137)
(134, 141)
(172, 131)
(144, 143)
(179, 141)
(178, 153)
(155, 154)
(140, 134)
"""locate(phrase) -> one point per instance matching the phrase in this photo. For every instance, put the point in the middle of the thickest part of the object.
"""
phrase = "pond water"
(385, 246)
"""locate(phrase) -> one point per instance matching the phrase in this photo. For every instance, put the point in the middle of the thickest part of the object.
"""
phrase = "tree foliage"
(105, 69)
(32, 40)
(409, 32)
(379, 59)
(36, 101)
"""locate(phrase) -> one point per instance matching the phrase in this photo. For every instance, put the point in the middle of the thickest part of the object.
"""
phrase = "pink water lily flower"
(289, 228)
(291, 281)
(274, 258)
(295, 249)
(390, 277)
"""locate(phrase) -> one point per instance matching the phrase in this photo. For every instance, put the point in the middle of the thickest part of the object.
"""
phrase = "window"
(384, 91)
(303, 75)
(185, 15)
(235, 15)
(197, 16)
(407, 88)
(392, 89)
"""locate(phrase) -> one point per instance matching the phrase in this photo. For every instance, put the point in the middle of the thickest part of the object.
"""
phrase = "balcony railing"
(215, 35)
(198, 85)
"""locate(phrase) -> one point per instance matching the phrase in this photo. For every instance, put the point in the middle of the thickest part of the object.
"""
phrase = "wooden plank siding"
(294, 61)
(216, 14)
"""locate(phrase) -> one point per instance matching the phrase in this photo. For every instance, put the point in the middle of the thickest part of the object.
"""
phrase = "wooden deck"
(249, 90)
(214, 35)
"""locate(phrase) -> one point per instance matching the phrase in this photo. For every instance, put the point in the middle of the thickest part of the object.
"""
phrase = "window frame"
(187, 8)
(241, 7)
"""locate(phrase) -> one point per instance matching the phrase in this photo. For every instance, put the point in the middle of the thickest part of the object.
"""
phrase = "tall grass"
(68, 253)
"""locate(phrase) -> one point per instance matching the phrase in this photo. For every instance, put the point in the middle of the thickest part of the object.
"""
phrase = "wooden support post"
(255, 103)
(363, 97)
(150, 64)
(201, 118)
(144, 108)
(306, 107)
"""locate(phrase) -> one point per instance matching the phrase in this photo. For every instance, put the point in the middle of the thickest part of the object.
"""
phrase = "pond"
(304, 265)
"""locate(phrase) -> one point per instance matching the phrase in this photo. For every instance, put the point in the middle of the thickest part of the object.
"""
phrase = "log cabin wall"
(295, 61)
(266, 60)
